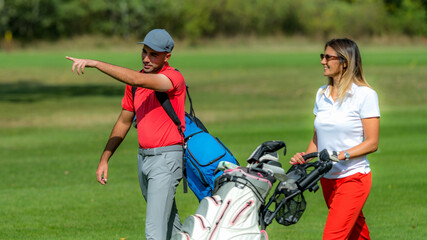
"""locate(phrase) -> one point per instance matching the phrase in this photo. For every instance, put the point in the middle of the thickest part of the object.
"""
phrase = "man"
(160, 154)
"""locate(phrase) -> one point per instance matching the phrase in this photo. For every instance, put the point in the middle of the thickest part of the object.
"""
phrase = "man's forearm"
(111, 146)
(121, 74)
(118, 133)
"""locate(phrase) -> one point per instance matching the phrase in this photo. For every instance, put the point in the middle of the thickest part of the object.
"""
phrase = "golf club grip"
(310, 155)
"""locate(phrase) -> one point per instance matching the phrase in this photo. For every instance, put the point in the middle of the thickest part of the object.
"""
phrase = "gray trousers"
(159, 172)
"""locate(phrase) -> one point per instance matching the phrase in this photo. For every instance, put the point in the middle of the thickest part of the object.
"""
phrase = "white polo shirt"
(339, 126)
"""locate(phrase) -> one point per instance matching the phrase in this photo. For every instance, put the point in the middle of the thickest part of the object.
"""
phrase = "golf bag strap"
(133, 92)
(191, 102)
(167, 106)
(164, 100)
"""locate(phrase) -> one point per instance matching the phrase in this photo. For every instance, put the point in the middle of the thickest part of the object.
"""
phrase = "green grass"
(53, 127)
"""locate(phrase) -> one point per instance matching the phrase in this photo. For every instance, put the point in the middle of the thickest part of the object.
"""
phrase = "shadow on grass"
(32, 91)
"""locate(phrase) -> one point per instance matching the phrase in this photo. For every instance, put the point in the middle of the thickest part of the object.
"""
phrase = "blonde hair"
(349, 57)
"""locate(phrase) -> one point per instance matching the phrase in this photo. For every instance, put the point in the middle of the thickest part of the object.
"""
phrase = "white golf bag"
(234, 208)
(233, 211)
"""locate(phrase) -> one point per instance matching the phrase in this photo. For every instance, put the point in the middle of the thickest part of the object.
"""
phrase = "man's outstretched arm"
(157, 82)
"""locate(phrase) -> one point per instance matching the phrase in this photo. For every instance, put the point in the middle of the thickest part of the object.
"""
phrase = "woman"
(347, 121)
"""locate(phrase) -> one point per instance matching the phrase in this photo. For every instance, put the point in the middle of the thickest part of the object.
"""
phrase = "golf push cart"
(238, 208)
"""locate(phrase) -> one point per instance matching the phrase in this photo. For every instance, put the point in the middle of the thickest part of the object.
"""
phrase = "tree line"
(193, 19)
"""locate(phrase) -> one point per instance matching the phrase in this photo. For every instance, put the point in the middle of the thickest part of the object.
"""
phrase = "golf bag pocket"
(242, 213)
(209, 207)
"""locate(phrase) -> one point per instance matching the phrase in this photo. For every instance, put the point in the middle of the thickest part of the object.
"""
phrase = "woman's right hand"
(297, 158)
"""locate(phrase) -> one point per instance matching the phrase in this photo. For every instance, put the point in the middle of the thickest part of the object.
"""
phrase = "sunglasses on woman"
(328, 57)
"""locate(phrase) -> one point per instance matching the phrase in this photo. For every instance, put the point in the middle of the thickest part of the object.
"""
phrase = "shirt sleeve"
(127, 100)
(369, 106)
(176, 78)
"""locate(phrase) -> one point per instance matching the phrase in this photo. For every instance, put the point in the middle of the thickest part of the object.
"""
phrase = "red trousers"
(345, 198)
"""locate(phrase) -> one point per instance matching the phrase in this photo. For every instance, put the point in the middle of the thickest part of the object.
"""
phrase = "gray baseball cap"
(159, 40)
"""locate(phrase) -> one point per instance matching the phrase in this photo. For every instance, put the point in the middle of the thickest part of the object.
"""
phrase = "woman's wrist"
(343, 155)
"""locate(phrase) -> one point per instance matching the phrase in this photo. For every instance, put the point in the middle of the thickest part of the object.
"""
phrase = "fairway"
(54, 126)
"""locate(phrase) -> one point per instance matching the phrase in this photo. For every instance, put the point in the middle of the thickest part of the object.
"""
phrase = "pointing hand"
(80, 64)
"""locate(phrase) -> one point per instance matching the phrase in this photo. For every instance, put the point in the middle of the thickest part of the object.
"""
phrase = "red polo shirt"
(155, 127)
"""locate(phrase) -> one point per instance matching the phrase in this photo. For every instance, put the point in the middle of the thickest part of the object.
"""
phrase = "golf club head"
(269, 157)
(265, 148)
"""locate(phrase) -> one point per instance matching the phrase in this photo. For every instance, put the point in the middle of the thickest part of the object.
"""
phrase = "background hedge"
(194, 19)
